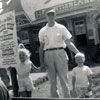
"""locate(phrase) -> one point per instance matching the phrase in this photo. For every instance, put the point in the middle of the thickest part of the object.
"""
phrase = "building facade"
(81, 17)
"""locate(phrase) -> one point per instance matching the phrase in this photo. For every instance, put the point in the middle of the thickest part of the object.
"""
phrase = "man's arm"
(41, 54)
(71, 46)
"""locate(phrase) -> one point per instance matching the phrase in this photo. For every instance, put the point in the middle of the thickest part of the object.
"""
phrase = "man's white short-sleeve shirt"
(54, 37)
(81, 74)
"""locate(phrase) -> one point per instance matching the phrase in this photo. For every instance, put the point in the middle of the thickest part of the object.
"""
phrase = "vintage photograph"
(49, 49)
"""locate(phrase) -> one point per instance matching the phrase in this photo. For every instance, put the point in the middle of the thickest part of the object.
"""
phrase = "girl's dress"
(24, 79)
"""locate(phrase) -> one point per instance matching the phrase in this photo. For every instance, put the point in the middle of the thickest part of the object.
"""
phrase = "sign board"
(35, 9)
(65, 7)
(8, 41)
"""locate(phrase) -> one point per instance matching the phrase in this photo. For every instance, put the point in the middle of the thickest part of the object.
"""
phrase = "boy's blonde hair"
(24, 50)
(80, 54)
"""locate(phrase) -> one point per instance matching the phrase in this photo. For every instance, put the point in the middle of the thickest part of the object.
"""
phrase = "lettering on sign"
(65, 7)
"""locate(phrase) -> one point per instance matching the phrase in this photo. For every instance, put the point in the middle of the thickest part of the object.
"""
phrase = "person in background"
(53, 40)
(24, 81)
(4, 94)
(81, 77)
(5, 77)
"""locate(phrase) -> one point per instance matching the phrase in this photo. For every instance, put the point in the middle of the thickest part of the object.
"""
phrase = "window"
(80, 27)
(24, 35)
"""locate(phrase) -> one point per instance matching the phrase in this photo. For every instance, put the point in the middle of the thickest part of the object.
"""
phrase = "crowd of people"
(54, 38)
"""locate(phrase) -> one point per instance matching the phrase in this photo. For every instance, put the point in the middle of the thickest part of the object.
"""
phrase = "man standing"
(53, 39)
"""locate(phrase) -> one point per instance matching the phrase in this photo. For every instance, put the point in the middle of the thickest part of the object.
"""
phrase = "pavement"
(42, 75)
(36, 76)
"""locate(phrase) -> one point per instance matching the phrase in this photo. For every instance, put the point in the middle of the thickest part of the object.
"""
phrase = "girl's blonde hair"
(21, 46)
(80, 54)
(24, 50)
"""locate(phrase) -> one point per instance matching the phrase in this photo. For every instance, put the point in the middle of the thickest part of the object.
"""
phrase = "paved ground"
(43, 90)
(36, 76)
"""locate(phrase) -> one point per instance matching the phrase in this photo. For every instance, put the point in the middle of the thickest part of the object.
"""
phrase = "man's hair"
(80, 54)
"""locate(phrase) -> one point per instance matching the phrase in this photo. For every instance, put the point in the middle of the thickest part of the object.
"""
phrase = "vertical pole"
(13, 74)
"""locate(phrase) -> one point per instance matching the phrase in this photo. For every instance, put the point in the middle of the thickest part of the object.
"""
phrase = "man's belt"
(50, 49)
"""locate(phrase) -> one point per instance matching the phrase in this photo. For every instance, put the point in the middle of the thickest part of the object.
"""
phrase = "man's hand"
(43, 66)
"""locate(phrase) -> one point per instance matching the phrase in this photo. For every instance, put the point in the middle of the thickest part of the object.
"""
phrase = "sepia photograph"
(49, 49)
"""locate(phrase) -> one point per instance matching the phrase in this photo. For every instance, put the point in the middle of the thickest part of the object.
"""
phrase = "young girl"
(81, 77)
(24, 81)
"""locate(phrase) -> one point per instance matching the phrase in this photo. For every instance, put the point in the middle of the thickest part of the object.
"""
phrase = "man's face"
(50, 16)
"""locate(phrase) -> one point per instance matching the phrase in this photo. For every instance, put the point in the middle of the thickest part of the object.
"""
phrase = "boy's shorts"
(81, 92)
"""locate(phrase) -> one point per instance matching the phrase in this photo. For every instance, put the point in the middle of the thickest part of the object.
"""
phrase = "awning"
(31, 6)
(35, 9)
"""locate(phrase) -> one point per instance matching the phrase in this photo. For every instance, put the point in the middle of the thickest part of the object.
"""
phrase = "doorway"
(99, 31)
(79, 26)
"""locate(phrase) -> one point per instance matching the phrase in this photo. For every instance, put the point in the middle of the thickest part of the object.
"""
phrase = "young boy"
(24, 81)
(81, 77)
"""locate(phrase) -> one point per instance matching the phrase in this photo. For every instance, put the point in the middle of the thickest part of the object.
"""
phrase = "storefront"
(74, 14)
